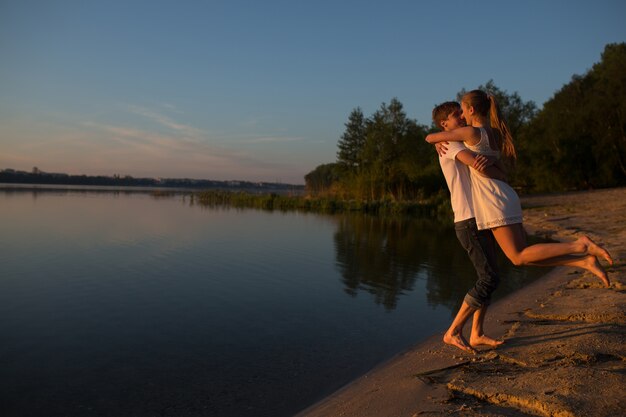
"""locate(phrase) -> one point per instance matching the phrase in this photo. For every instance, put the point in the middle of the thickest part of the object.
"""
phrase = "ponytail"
(499, 125)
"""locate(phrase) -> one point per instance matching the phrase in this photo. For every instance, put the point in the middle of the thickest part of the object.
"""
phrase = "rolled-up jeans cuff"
(473, 302)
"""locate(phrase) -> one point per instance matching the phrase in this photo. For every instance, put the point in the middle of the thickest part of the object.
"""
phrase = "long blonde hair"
(485, 105)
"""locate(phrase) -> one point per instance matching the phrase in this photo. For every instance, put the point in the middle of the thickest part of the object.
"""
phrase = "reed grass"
(435, 206)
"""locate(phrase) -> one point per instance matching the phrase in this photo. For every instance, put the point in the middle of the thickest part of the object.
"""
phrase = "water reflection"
(382, 256)
(386, 256)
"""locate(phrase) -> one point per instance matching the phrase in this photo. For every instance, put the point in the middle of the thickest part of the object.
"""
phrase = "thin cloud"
(273, 139)
(170, 107)
(192, 153)
(164, 121)
(129, 139)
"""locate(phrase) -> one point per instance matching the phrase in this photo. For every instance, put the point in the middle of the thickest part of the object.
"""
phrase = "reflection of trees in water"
(363, 258)
(385, 257)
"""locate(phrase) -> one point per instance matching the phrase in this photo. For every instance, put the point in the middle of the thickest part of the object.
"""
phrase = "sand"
(564, 353)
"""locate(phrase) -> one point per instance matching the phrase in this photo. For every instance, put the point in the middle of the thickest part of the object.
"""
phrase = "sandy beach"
(564, 353)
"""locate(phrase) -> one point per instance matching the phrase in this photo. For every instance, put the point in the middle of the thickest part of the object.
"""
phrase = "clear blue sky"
(260, 90)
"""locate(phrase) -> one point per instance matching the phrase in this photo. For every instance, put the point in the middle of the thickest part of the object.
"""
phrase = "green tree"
(577, 140)
(606, 109)
(383, 156)
(322, 178)
(352, 141)
(392, 140)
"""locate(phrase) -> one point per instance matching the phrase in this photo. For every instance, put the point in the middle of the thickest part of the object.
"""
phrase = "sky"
(261, 90)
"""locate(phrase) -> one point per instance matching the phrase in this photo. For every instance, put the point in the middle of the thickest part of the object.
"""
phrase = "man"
(455, 159)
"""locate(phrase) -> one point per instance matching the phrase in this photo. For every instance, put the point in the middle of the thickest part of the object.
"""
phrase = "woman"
(496, 204)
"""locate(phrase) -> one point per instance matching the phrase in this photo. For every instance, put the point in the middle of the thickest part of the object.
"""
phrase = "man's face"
(453, 121)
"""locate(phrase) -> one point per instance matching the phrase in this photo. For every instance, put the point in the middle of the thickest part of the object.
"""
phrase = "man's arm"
(489, 170)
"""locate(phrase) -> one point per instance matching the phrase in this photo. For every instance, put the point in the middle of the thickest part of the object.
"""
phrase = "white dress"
(495, 202)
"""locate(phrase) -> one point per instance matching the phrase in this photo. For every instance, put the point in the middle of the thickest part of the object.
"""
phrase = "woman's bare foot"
(595, 250)
(483, 340)
(456, 339)
(591, 264)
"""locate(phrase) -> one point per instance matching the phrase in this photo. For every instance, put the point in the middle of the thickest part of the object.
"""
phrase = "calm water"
(124, 304)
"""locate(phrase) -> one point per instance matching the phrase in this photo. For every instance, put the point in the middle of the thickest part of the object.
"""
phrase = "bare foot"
(591, 264)
(456, 339)
(484, 341)
(596, 250)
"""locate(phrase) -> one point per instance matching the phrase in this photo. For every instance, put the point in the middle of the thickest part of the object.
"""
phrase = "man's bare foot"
(595, 249)
(483, 340)
(591, 264)
(456, 339)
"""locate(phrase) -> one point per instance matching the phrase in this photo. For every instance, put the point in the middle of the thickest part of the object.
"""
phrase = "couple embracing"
(488, 211)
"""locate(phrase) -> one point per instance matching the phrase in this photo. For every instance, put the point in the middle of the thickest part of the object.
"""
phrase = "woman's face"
(468, 112)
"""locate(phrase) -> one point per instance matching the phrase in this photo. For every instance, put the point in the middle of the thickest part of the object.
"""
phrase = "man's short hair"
(441, 112)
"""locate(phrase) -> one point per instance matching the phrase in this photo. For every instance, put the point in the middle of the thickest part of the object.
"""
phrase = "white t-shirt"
(458, 179)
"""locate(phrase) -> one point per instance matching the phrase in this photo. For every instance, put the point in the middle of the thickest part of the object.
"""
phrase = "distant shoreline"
(139, 188)
(11, 176)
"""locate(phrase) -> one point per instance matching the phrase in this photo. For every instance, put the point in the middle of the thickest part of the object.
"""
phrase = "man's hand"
(486, 166)
(442, 148)
(481, 162)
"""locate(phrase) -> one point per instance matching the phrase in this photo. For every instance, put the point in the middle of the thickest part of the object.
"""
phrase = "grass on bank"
(435, 206)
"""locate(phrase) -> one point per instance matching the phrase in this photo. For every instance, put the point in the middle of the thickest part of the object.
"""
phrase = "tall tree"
(385, 129)
(578, 139)
(352, 141)
(382, 156)
(607, 114)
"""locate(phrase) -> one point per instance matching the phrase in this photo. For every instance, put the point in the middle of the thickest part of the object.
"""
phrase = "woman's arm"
(462, 134)
(486, 167)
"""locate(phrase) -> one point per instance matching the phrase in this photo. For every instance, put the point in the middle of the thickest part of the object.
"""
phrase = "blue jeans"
(480, 246)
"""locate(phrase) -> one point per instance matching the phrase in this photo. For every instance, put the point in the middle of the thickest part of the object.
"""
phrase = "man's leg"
(466, 233)
(478, 337)
(488, 281)
(454, 335)
(481, 249)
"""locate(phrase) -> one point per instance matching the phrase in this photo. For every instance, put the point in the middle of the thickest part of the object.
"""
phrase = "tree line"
(37, 176)
(575, 141)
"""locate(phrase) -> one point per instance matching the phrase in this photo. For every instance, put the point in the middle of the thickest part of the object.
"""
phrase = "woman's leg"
(512, 241)
(588, 262)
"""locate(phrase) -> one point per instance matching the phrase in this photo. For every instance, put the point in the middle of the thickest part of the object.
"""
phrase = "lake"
(119, 303)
